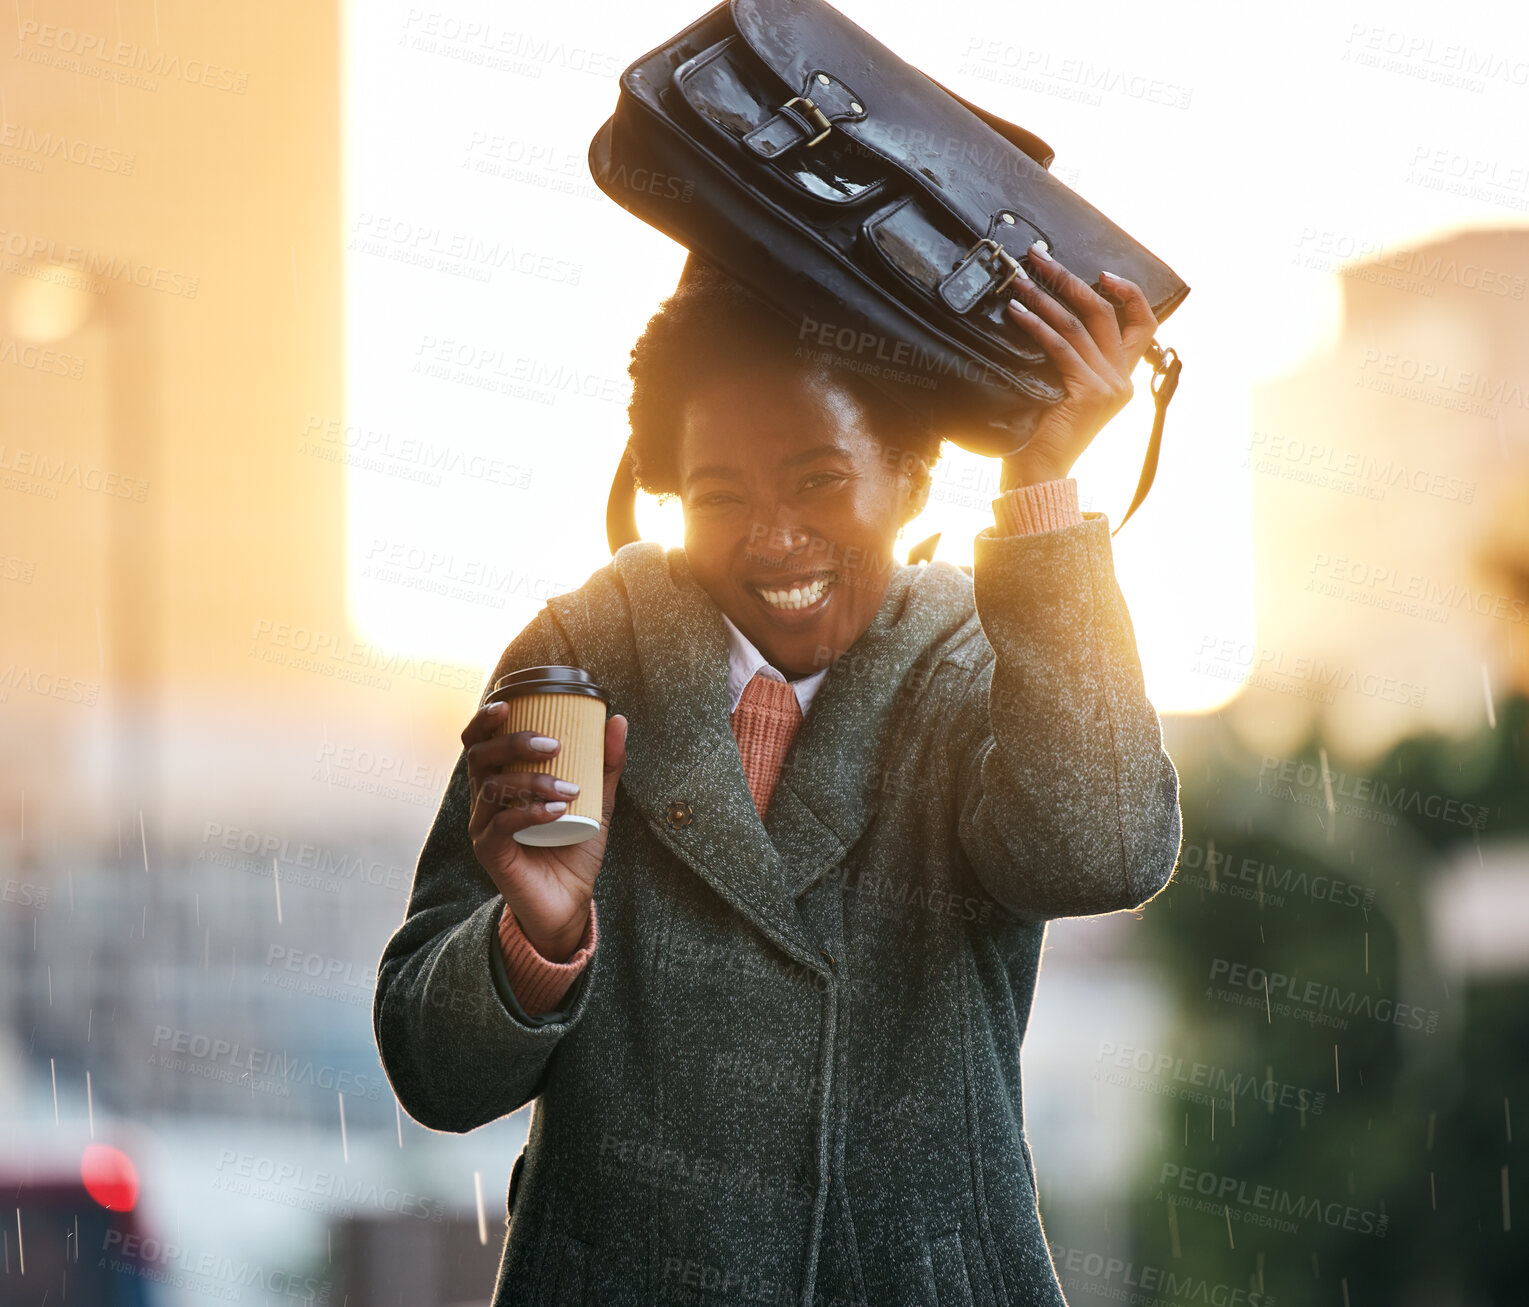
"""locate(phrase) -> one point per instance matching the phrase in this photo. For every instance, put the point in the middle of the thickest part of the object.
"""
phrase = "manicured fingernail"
(1041, 249)
(1018, 307)
(1109, 276)
(565, 787)
(502, 706)
(543, 742)
(557, 805)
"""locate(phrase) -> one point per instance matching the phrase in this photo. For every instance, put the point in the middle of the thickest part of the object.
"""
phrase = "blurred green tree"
(1336, 1121)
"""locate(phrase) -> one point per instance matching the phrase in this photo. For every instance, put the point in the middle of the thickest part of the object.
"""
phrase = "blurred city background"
(313, 336)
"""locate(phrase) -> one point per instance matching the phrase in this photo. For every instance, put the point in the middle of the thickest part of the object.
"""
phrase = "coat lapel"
(666, 669)
(837, 772)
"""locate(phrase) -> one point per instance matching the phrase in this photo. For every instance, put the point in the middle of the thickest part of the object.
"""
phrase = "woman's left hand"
(1091, 351)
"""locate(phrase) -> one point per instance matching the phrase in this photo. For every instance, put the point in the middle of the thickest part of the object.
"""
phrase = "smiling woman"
(842, 797)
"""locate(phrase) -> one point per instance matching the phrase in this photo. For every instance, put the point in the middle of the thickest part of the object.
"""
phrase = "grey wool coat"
(790, 1073)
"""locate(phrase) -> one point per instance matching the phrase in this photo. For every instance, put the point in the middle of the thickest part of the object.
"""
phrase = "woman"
(776, 1058)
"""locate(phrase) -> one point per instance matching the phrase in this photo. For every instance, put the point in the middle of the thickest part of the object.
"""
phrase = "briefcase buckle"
(819, 117)
(996, 254)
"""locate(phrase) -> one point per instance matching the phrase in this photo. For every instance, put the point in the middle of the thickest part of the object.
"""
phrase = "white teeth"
(797, 596)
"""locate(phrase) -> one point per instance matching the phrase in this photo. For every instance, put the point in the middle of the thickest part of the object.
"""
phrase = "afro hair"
(708, 322)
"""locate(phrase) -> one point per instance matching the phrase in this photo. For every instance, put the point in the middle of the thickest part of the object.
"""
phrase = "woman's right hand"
(548, 889)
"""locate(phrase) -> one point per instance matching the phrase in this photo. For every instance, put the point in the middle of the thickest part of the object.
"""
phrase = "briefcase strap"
(1166, 366)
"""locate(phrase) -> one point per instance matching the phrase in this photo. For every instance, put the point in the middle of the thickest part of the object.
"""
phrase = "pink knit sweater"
(539, 984)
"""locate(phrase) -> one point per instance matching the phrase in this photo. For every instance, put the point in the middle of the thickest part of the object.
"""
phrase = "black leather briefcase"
(882, 215)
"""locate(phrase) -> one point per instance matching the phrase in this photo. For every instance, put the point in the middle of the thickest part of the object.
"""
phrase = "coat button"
(679, 815)
(828, 958)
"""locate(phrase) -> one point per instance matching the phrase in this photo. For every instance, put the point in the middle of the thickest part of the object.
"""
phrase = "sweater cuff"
(1043, 506)
(539, 984)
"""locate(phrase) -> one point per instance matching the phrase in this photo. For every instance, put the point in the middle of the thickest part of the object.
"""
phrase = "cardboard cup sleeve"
(577, 722)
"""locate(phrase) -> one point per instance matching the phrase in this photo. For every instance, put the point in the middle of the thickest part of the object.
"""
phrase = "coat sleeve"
(1066, 802)
(457, 1050)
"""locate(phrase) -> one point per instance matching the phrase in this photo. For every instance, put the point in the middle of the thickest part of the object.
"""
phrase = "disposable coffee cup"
(566, 704)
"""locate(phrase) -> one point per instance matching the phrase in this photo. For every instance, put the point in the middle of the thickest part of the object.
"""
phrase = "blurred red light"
(110, 1177)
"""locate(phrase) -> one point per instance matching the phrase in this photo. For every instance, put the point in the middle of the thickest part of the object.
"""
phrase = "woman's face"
(792, 509)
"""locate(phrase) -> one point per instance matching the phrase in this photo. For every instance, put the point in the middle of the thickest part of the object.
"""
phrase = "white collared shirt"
(744, 661)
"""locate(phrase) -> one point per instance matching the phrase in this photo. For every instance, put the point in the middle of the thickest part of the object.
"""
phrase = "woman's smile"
(796, 600)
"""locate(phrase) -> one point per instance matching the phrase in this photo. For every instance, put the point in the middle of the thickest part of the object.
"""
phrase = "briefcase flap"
(953, 154)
